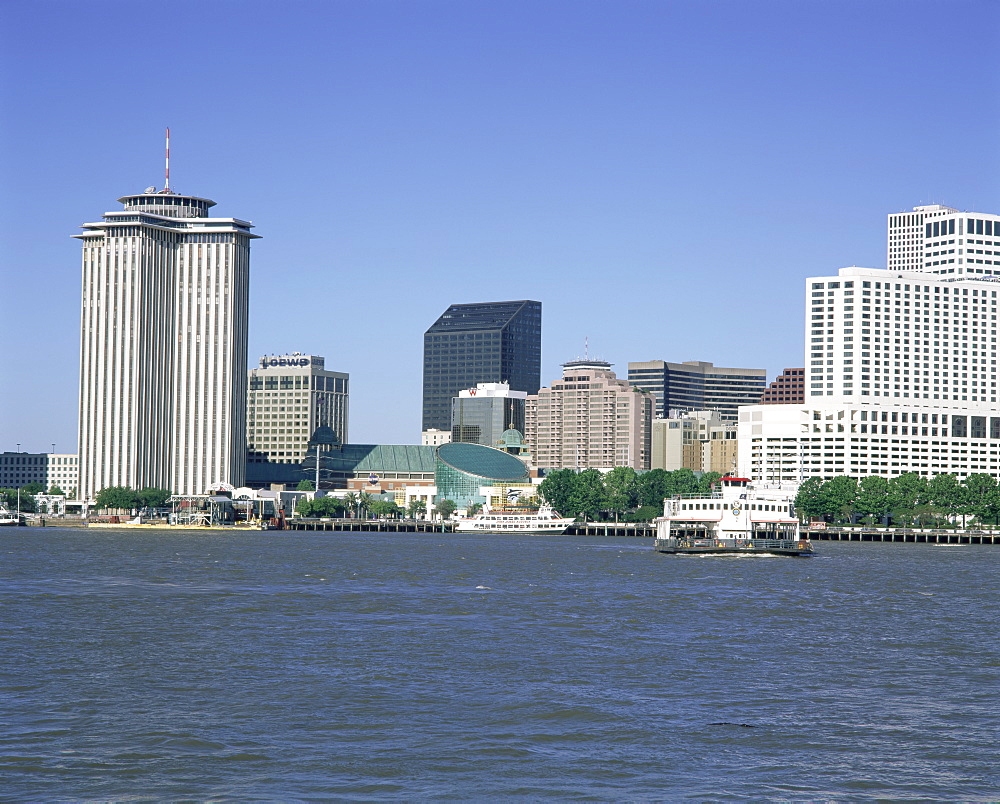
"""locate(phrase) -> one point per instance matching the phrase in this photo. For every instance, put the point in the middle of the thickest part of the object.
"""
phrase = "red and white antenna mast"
(166, 187)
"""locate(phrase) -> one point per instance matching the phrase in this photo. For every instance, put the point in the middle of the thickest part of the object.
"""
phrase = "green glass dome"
(482, 462)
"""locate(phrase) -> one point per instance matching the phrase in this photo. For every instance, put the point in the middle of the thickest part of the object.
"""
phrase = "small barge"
(733, 519)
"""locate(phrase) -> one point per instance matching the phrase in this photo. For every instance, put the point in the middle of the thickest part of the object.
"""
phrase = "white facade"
(941, 240)
(435, 437)
(901, 377)
(289, 397)
(163, 346)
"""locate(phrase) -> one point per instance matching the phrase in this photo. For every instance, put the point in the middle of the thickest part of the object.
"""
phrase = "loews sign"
(291, 362)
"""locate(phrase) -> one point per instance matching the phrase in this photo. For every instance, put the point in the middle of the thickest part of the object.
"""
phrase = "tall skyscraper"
(696, 385)
(290, 396)
(474, 343)
(940, 240)
(163, 346)
(589, 419)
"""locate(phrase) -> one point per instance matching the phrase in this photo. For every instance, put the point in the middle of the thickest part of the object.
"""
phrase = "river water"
(169, 666)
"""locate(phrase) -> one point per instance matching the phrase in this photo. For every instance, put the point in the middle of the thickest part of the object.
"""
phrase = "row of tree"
(23, 498)
(127, 499)
(621, 494)
(906, 500)
(365, 505)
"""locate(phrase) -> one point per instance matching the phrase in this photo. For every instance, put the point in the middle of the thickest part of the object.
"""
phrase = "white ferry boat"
(517, 520)
(733, 519)
(8, 517)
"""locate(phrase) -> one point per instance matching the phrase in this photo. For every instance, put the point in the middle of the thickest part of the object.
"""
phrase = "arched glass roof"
(485, 462)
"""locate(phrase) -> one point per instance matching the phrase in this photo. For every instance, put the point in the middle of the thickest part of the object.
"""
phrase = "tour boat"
(514, 520)
(733, 519)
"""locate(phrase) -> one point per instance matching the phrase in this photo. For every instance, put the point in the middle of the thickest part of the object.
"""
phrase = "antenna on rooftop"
(166, 186)
(586, 347)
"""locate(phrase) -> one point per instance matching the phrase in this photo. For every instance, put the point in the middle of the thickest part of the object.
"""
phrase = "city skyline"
(640, 170)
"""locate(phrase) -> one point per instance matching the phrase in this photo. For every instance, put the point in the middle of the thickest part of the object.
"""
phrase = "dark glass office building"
(483, 342)
(697, 385)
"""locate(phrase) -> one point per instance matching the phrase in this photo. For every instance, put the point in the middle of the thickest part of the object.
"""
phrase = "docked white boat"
(733, 519)
(10, 518)
(515, 520)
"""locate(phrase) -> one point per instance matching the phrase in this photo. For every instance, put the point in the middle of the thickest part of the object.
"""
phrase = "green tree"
(151, 497)
(979, 488)
(475, 508)
(654, 488)
(383, 508)
(989, 510)
(706, 480)
(645, 513)
(873, 498)
(445, 508)
(57, 490)
(320, 507)
(17, 500)
(946, 494)
(117, 497)
(32, 488)
(622, 490)
(683, 481)
(351, 499)
(365, 501)
(907, 492)
(560, 490)
(841, 494)
(592, 497)
(416, 509)
(811, 502)
(305, 485)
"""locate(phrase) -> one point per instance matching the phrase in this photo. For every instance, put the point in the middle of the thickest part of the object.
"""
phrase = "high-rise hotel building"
(589, 419)
(902, 371)
(163, 346)
(291, 396)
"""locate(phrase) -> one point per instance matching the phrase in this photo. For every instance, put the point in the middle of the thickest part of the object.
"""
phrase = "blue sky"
(660, 175)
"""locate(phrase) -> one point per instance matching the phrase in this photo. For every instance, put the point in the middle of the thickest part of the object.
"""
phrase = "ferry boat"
(515, 520)
(733, 519)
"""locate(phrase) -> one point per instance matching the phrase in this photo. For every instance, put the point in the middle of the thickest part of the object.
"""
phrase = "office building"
(698, 440)
(482, 414)
(902, 378)
(589, 419)
(18, 469)
(941, 240)
(290, 396)
(163, 346)
(696, 385)
(789, 387)
(496, 342)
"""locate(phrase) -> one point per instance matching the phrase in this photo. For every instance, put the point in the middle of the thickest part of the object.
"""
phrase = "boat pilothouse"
(733, 518)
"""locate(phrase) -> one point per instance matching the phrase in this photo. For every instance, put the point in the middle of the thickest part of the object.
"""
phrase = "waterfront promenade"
(855, 533)
(642, 530)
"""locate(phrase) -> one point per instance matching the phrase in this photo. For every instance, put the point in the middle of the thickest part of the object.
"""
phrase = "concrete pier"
(902, 535)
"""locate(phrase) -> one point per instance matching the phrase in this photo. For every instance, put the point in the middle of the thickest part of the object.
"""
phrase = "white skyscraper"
(941, 240)
(163, 346)
(902, 378)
